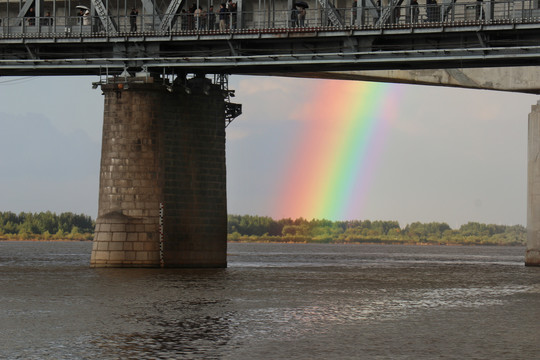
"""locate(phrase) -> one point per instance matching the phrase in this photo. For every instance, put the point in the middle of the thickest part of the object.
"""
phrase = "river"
(274, 301)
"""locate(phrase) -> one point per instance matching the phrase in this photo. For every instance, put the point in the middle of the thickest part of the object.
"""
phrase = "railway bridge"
(163, 68)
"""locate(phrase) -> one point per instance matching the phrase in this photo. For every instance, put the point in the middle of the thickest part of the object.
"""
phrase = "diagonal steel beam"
(386, 13)
(27, 5)
(106, 19)
(170, 16)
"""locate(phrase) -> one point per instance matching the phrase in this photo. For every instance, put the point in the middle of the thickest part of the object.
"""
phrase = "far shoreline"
(291, 242)
(45, 240)
(369, 243)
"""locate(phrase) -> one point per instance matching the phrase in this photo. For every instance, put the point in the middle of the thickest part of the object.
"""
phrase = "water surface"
(274, 301)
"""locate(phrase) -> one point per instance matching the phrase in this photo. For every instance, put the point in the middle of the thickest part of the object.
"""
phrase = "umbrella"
(82, 7)
(301, 4)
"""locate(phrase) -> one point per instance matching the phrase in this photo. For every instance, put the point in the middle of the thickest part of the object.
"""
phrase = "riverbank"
(250, 239)
(446, 241)
(35, 237)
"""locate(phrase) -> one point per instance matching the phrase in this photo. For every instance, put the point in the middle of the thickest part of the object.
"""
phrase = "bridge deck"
(261, 41)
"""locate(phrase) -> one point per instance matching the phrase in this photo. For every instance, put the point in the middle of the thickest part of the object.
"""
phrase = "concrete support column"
(532, 256)
(162, 147)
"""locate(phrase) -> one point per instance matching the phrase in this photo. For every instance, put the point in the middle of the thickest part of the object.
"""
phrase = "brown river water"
(274, 301)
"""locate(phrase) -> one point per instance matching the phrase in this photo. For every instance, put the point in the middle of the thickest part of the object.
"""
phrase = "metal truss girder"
(27, 5)
(332, 13)
(386, 14)
(106, 19)
(169, 18)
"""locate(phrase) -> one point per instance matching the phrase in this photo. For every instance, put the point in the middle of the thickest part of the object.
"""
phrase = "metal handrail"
(509, 11)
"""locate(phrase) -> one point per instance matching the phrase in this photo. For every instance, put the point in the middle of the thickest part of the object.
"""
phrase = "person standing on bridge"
(223, 17)
(234, 15)
(301, 16)
(198, 14)
(211, 18)
(80, 15)
(414, 11)
(294, 17)
(354, 12)
(231, 15)
(86, 18)
(191, 16)
(47, 20)
(133, 19)
(396, 14)
(31, 15)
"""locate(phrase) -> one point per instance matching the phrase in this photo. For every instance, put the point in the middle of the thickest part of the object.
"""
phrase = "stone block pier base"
(532, 255)
(162, 194)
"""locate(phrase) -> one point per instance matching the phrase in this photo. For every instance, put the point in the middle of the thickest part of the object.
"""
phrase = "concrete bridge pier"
(162, 193)
(532, 256)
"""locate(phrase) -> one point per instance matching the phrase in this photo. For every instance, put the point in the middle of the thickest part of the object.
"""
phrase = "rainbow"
(344, 129)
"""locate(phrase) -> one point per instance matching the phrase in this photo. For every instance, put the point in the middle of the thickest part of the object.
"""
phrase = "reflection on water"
(274, 301)
(189, 337)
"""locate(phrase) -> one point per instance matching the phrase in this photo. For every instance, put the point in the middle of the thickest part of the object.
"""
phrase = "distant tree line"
(247, 228)
(45, 226)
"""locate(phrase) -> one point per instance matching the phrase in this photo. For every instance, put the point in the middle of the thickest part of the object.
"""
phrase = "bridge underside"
(524, 79)
(274, 51)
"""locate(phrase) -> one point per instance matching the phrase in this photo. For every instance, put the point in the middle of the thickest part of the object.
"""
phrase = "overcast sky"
(451, 155)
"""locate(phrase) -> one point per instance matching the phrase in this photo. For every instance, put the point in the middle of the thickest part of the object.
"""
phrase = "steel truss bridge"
(259, 40)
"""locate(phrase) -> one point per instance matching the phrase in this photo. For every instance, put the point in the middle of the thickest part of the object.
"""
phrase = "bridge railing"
(359, 18)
